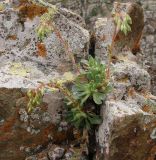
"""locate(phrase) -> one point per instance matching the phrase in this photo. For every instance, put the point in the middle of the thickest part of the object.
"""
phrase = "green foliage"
(35, 98)
(81, 119)
(123, 22)
(94, 84)
(45, 27)
(90, 83)
(2, 6)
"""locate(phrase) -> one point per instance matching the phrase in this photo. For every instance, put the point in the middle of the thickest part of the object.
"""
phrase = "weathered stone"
(31, 158)
(125, 131)
(68, 155)
(138, 78)
(56, 153)
(148, 42)
(89, 10)
(24, 134)
(21, 42)
(129, 112)
(94, 9)
(119, 90)
(105, 31)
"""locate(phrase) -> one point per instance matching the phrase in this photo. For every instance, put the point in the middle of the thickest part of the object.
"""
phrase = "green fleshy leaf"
(98, 98)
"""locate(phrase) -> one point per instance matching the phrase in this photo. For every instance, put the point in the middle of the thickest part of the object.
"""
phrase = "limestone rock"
(148, 45)
(89, 10)
(105, 31)
(125, 131)
(20, 43)
(129, 111)
(138, 77)
(31, 158)
(56, 153)
(23, 134)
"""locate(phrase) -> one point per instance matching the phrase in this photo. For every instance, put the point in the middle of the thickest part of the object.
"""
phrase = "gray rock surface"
(56, 153)
(128, 128)
(105, 31)
(128, 113)
(93, 9)
(22, 68)
(124, 130)
(148, 44)
(19, 49)
(138, 77)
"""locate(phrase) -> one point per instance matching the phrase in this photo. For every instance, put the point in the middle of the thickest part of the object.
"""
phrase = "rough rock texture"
(21, 133)
(21, 62)
(148, 43)
(105, 31)
(130, 71)
(19, 41)
(24, 133)
(129, 121)
(53, 152)
(94, 9)
(89, 10)
(129, 111)
(125, 132)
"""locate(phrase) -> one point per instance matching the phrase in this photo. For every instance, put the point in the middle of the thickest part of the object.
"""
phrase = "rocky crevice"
(123, 129)
(128, 114)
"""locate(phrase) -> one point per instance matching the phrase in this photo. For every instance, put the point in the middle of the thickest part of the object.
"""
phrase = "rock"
(105, 28)
(72, 16)
(22, 45)
(56, 153)
(31, 158)
(68, 155)
(129, 120)
(23, 134)
(119, 90)
(44, 158)
(89, 10)
(23, 115)
(124, 130)
(138, 77)
(128, 113)
(148, 45)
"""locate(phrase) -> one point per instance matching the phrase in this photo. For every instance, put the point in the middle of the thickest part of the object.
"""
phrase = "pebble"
(56, 154)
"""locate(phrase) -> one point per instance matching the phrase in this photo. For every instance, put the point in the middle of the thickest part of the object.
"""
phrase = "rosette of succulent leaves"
(91, 83)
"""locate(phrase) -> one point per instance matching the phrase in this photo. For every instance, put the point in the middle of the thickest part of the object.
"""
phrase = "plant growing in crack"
(91, 83)
(122, 23)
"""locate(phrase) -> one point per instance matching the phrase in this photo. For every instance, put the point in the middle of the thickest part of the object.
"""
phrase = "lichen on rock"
(128, 114)
(24, 134)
